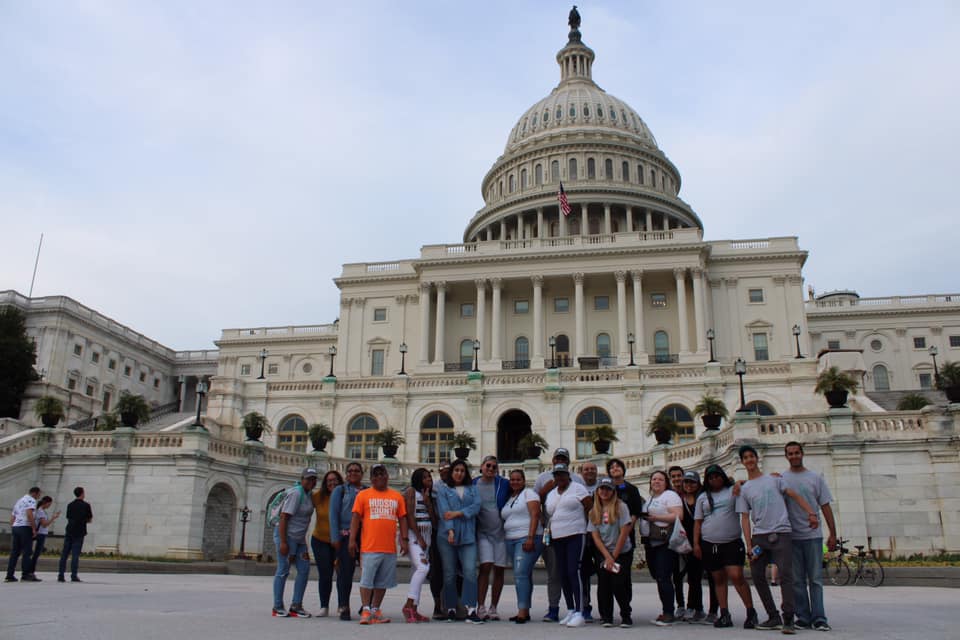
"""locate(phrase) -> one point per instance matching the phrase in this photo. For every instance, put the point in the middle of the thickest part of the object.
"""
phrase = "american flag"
(562, 197)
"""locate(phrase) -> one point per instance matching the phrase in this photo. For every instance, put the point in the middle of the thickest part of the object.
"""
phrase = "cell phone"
(616, 567)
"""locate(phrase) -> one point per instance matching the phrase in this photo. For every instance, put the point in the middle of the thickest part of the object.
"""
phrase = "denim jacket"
(341, 508)
(465, 527)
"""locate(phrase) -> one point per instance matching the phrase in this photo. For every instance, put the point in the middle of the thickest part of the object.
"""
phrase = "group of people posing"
(461, 533)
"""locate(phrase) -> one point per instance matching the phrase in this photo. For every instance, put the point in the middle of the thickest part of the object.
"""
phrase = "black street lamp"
(403, 358)
(553, 352)
(796, 336)
(476, 356)
(936, 372)
(244, 519)
(333, 354)
(201, 391)
(740, 368)
(263, 360)
(710, 336)
(630, 341)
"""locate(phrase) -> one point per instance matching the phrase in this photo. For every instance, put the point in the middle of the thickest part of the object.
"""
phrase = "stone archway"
(218, 523)
(511, 426)
(268, 549)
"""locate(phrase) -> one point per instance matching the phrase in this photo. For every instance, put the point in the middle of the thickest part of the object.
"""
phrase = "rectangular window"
(376, 362)
(72, 384)
(143, 376)
(273, 369)
(156, 383)
(658, 300)
(756, 295)
(926, 381)
(77, 349)
(244, 369)
(920, 343)
(601, 303)
(94, 357)
(760, 351)
(112, 365)
(833, 344)
(466, 310)
(561, 305)
(126, 370)
(954, 342)
(380, 314)
(521, 306)
(90, 389)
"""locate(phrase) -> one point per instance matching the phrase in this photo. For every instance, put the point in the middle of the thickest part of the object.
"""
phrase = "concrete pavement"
(110, 606)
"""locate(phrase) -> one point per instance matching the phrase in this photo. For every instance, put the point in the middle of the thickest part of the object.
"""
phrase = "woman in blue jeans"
(341, 512)
(321, 541)
(524, 534)
(458, 504)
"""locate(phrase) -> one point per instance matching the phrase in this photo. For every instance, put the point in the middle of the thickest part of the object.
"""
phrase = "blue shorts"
(378, 570)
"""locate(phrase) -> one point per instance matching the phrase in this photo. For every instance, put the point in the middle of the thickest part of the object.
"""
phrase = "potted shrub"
(912, 402)
(107, 422)
(532, 445)
(948, 380)
(320, 435)
(254, 425)
(835, 385)
(389, 440)
(49, 411)
(603, 435)
(712, 410)
(663, 428)
(463, 441)
(133, 409)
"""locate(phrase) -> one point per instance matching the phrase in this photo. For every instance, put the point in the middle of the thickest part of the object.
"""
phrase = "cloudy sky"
(202, 165)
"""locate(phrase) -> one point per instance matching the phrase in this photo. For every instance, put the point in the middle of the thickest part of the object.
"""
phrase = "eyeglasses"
(491, 466)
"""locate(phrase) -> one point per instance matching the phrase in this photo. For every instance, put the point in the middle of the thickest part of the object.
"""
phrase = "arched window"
(360, 434)
(653, 178)
(572, 169)
(559, 113)
(523, 179)
(760, 408)
(500, 188)
(466, 352)
(563, 350)
(591, 168)
(661, 347)
(510, 184)
(555, 171)
(538, 175)
(881, 381)
(292, 434)
(436, 432)
(608, 169)
(625, 171)
(603, 345)
(521, 352)
(588, 420)
(640, 173)
(684, 420)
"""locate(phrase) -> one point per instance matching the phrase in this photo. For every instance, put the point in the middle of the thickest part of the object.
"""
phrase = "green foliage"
(389, 437)
(18, 354)
(912, 402)
(48, 406)
(710, 406)
(464, 440)
(949, 375)
(604, 432)
(833, 379)
(135, 404)
(320, 430)
(107, 422)
(254, 421)
(663, 422)
(531, 440)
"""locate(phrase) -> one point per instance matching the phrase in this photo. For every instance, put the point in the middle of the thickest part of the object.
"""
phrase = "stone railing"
(260, 333)
(903, 421)
(365, 385)
(889, 301)
(793, 425)
(277, 387)
(198, 355)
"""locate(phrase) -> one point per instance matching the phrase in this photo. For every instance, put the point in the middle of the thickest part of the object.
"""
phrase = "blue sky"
(197, 166)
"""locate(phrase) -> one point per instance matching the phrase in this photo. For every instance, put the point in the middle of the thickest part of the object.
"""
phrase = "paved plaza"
(146, 606)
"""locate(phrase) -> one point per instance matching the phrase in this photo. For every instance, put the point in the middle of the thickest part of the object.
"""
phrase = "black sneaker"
(473, 618)
(30, 578)
(821, 626)
(345, 614)
(11, 579)
(626, 622)
(75, 579)
(751, 621)
(770, 624)
(297, 611)
(723, 621)
(788, 629)
(607, 624)
(800, 624)
(61, 579)
(280, 612)
(451, 615)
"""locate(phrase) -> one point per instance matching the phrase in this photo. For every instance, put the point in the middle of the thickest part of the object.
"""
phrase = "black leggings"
(569, 553)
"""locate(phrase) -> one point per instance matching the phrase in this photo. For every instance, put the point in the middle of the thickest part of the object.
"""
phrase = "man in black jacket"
(79, 514)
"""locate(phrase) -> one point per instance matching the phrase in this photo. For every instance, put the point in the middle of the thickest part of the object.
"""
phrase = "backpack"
(274, 509)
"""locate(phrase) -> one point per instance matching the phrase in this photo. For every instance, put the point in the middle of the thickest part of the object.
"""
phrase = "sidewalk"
(223, 607)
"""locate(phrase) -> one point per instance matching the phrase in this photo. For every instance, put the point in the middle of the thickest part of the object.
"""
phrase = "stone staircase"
(889, 399)
(167, 420)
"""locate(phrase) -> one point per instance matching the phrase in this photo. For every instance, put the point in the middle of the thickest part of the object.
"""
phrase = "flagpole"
(35, 263)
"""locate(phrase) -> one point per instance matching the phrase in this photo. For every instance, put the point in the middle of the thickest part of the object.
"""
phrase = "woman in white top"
(664, 511)
(43, 520)
(567, 505)
(524, 535)
(420, 520)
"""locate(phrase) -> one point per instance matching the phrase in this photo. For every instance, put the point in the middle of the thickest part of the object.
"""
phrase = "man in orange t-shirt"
(377, 513)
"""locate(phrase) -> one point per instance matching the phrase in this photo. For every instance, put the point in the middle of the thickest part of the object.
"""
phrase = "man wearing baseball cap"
(290, 538)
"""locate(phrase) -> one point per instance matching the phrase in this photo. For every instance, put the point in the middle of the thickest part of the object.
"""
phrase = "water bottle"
(756, 551)
(546, 536)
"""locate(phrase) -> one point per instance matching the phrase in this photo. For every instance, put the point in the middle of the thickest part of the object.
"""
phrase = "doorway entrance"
(511, 427)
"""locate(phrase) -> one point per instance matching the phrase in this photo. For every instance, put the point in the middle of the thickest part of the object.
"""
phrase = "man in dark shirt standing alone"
(79, 514)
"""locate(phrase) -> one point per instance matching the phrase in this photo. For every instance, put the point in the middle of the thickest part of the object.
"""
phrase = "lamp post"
(333, 354)
(796, 336)
(244, 519)
(936, 372)
(553, 352)
(740, 368)
(201, 391)
(630, 341)
(403, 358)
(476, 355)
(710, 336)
(263, 360)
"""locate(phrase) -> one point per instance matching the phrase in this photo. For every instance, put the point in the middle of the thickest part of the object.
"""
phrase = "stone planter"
(253, 434)
(129, 419)
(663, 436)
(601, 446)
(461, 452)
(389, 451)
(320, 444)
(533, 453)
(49, 420)
(953, 393)
(837, 398)
(711, 421)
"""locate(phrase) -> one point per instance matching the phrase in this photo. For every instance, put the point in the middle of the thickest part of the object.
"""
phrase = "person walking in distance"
(491, 543)
(378, 514)
(24, 529)
(290, 538)
(458, 504)
(524, 533)
(610, 525)
(79, 515)
(766, 525)
(808, 542)
(341, 515)
(421, 520)
(44, 520)
(321, 541)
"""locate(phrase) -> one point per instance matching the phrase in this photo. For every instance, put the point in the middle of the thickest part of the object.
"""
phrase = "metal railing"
(664, 358)
(515, 364)
(458, 366)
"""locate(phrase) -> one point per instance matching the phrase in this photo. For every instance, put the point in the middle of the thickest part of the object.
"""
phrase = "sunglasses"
(490, 466)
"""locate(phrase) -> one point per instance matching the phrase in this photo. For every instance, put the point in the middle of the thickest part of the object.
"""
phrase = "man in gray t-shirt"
(290, 538)
(491, 541)
(808, 542)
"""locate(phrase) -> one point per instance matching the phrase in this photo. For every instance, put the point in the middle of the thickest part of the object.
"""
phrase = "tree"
(18, 354)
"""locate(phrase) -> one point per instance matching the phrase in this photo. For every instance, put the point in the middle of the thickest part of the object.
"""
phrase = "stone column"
(537, 317)
(540, 222)
(503, 229)
(562, 224)
(581, 314)
(680, 274)
(638, 331)
(183, 392)
(424, 322)
(584, 220)
(622, 345)
(496, 348)
(698, 308)
(736, 329)
(649, 220)
(481, 315)
(607, 227)
(629, 219)
(438, 354)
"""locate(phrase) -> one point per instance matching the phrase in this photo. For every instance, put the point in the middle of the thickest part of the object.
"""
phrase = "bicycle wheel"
(871, 572)
(838, 571)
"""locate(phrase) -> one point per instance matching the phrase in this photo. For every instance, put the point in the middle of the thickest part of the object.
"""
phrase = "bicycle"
(867, 568)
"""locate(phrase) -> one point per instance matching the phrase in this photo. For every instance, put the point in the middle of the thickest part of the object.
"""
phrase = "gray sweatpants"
(553, 576)
(779, 553)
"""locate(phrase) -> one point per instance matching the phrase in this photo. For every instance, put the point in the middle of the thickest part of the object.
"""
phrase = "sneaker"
(280, 612)
(482, 612)
(565, 619)
(451, 615)
(626, 622)
(724, 621)
(588, 617)
(438, 614)
(788, 629)
(710, 619)
(552, 615)
(11, 579)
(297, 611)
(821, 626)
(751, 621)
(366, 617)
(800, 624)
(770, 624)
(30, 578)
(377, 617)
(345, 614)
(698, 617)
(576, 620)
(409, 614)
(75, 579)
(474, 618)
(492, 614)
(60, 579)
(324, 612)
(607, 624)
(664, 620)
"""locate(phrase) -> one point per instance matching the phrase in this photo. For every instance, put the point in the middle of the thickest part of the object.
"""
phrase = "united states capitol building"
(534, 321)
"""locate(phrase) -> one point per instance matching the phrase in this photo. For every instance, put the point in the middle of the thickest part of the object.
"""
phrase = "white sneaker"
(492, 614)
(324, 612)
(576, 620)
(565, 619)
(482, 612)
